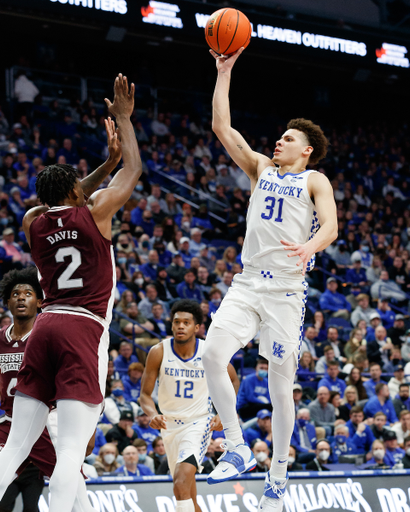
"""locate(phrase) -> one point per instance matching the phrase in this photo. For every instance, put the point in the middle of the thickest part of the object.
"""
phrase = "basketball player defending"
(287, 205)
(187, 419)
(66, 357)
(21, 292)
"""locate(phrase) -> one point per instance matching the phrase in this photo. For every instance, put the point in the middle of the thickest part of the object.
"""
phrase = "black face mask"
(124, 245)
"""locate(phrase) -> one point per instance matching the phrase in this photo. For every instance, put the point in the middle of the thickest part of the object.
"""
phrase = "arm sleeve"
(111, 411)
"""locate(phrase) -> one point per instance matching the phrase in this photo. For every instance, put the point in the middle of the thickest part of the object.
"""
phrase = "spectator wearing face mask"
(365, 254)
(253, 394)
(378, 460)
(341, 256)
(304, 437)
(143, 458)
(106, 461)
(215, 299)
(214, 452)
(292, 464)
(261, 451)
(131, 466)
(406, 459)
(323, 452)
(116, 404)
(342, 445)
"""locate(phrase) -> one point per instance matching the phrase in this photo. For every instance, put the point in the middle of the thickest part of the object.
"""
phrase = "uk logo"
(278, 350)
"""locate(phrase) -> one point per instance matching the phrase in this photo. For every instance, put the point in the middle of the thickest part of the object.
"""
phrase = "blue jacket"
(394, 456)
(141, 471)
(253, 391)
(131, 391)
(356, 277)
(295, 439)
(370, 387)
(148, 434)
(333, 385)
(363, 440)
(250, 434)
(99, 441)
(387, 318)
(337, 451)
(333, 301)
(121, 364)
(185, 292)
(149, 270)
(373, 405)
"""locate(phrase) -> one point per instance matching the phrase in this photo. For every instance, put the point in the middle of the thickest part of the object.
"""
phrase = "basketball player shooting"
(287, 206)
(66, 356)
(187, 418)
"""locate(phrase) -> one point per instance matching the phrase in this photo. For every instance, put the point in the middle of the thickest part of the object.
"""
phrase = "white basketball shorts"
(272, 303)
(185, 438)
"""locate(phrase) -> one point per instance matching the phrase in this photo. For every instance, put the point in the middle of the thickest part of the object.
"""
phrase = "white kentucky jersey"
(280, 209)
(183, 390)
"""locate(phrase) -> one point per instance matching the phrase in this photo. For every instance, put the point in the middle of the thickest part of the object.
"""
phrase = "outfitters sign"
(376, 492)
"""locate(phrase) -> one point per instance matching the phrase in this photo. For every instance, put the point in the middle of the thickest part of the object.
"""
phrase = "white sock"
(185, 506)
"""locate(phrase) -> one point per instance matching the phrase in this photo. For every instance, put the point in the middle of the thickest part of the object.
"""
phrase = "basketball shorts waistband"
(271, 274)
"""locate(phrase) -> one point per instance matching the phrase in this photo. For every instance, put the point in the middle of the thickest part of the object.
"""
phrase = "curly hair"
(55, 182)
(314, 135)
(15, 277)
(188, 306)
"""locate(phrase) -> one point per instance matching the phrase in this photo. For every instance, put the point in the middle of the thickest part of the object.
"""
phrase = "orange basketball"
(227, 30)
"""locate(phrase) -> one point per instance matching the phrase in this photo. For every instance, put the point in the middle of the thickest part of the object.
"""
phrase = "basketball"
(227, 30)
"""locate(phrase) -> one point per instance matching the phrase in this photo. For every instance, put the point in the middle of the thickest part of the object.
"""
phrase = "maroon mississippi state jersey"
(11, 357)
(75, 262)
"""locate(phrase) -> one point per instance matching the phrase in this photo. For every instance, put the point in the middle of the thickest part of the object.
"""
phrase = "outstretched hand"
(302, 250)
(123, 104)
(216, 424)
(113, 141)
(224, 63)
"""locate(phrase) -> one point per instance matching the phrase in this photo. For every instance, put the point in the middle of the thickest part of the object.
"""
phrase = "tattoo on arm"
(240, 147)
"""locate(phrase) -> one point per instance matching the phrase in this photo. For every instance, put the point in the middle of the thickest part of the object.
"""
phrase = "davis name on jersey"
(183, 390)
(280, 208)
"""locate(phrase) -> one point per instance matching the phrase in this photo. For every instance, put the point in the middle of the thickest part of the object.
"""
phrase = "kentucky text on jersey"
(10, 362)
(62, 235)
(281, 190)
(180, 372)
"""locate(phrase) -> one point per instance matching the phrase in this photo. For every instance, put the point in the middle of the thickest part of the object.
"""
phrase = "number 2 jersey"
(280, 209)
(11, 357)
(75, 262)
(183, 390)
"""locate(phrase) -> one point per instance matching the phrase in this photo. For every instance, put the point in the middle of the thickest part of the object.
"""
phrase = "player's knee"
(182, 487)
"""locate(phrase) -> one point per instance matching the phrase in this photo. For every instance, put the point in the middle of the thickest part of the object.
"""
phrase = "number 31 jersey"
(183, 390)
(280, 209)
(75, 262)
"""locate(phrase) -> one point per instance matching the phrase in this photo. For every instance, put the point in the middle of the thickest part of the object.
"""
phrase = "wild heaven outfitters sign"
(375, 493)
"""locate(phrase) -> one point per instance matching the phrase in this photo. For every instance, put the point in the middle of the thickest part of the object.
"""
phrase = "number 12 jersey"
(75, 262)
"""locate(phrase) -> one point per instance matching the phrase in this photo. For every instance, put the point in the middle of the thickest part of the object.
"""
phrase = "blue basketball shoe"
(234, 461)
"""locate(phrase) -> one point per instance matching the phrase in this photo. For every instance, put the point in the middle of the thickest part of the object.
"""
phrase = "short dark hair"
(156, 441)
(374, 364)
(356, 409)
(406, 440)
(333, 363)
(315, 136)
(379, 387)
(55, 182)
(404, 385)
(14, 277)
(188, 306)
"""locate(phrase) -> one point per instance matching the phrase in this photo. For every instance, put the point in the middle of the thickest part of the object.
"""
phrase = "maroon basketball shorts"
(42, 453)
(66, 358)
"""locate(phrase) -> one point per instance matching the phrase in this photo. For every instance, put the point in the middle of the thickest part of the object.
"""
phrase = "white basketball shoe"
(234, 461)
(273, 494)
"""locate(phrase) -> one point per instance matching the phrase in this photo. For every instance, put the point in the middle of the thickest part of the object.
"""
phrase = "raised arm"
(105, 203)
(91, 182)
(238, 149)
(149, 378)
(321, 193)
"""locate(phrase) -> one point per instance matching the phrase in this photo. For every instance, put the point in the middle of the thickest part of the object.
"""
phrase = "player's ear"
(197, 328)
(39, 302)
(308, 150)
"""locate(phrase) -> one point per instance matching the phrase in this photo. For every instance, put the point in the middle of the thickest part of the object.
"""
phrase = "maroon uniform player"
(66, 355)
(22, 293)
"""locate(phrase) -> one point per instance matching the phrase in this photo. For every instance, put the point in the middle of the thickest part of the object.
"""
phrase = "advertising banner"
(357, 491)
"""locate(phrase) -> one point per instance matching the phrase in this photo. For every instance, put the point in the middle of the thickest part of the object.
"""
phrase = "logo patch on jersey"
(278, 350)
(16, 344)
(196, 361)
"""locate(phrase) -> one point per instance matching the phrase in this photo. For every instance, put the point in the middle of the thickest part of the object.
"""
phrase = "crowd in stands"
(180, 236)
